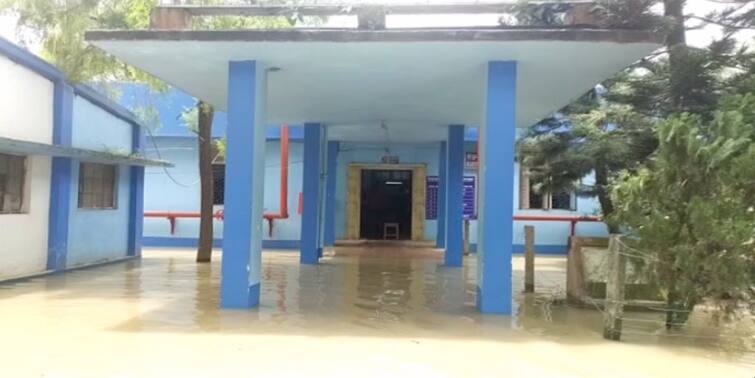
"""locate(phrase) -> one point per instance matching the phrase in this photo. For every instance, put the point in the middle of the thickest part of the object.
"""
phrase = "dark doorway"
(386, 198)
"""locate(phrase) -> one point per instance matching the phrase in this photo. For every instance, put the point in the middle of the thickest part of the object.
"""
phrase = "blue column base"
(242, 299)
(242, 234)
(60, 194)
(493, 304)
(311, 218)
(311, 258)
(453, 260)
(454, 193)
(495, 225)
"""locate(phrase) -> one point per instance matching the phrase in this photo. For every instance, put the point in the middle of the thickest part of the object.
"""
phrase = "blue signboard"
(469, 198)
(431, 198)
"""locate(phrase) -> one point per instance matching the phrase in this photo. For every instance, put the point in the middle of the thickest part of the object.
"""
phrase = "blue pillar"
(311, 189)
(61, 182)
(440, 239)
(330, 194)
(136, 196)
(245, 156)
(495, 227)
(454, 196)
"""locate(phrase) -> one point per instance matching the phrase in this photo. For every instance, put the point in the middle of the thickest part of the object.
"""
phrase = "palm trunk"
(204, 248)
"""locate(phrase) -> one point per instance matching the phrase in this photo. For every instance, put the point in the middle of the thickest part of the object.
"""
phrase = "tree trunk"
(604, 196)
(677, 311)
(204, 140)
(676, 44)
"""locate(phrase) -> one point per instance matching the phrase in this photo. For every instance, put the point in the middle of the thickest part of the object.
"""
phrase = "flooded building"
(71, 173)
(351, 87)
(172, 194)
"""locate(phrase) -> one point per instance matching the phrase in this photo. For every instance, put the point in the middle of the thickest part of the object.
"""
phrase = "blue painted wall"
(179, 189)
(97, 129)
(163, 193)
(181, 192)
(50, 110)
(98, 235)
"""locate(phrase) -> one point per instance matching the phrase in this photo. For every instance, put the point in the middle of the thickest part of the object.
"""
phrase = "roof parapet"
(370, 16)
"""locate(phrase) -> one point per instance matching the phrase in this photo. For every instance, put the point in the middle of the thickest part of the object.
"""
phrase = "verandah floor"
(365, 311)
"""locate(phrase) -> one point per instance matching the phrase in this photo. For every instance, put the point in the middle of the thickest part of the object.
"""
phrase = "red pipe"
(171, 216)
(572, 219)
(283, 194)
(270, 217)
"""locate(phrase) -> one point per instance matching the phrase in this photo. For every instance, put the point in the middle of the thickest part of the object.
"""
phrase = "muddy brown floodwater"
(362, 312)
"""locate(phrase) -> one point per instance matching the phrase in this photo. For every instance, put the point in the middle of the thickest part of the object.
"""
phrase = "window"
(218, 184)
(12, 180)
(531, 199)
(97, 186)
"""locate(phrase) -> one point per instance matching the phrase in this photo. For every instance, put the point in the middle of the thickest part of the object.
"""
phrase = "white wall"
(25, 103)
(26, 108)
(23, 237)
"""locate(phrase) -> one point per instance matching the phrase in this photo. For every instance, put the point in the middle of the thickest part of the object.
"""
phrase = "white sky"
(695, 38)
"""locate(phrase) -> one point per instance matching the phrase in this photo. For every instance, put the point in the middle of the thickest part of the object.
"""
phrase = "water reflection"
(373, 292)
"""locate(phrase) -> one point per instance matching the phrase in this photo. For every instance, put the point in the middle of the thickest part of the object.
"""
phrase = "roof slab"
(412, 80)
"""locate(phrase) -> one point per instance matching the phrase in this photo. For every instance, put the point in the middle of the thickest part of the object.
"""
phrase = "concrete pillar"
(454, 196)
(136, 196)
(440, 240)
(496, 202)
(245, 169)
(61, 182)
(311, 247)
(330, 194)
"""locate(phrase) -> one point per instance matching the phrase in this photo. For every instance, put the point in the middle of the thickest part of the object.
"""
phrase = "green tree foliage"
(705, 75)
(631, 14)
(691, 208)
(603, 140)
(672, 149)
(60, 27)
(615, 132)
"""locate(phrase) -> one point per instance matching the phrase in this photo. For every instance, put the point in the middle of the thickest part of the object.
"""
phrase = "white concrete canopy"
(362, 78)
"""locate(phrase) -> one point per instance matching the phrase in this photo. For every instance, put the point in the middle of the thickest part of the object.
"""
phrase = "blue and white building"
(175, 190)
(393, 106)
(71, 171)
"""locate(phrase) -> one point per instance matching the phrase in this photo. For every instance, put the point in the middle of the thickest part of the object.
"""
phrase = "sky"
(696, 38)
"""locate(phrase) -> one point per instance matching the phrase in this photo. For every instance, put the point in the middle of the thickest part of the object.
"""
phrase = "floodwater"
(362, 312)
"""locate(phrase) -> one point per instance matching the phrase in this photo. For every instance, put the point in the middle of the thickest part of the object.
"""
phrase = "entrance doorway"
(386, 204)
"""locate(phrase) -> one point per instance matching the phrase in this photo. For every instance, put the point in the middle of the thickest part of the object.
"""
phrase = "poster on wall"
(471, 160)
(431, 198)
(469, 198)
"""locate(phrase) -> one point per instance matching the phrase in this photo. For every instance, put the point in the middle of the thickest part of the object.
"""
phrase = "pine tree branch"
(720, 23)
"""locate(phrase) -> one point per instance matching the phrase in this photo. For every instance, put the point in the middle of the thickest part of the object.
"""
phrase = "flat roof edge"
(385, 35)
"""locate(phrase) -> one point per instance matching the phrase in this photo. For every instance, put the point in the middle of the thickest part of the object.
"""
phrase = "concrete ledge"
(387, 35)
(79, 267)
(402, 243)
(540, 249)
(188, 242)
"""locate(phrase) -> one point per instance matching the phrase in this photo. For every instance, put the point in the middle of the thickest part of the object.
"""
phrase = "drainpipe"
(283, 195)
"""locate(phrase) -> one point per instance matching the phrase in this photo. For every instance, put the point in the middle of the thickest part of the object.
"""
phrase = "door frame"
(354, 196)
